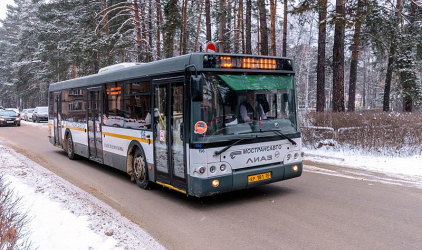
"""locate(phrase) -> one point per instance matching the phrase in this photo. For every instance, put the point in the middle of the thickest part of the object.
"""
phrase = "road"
(314, 211)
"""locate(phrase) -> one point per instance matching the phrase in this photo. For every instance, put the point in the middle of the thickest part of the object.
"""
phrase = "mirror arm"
(190, 66)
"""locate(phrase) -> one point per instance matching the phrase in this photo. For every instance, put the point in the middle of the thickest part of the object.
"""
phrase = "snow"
(62, 216)
(405, 171)
(66, 217)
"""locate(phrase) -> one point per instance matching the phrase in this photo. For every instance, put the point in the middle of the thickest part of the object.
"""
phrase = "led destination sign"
(240, 62)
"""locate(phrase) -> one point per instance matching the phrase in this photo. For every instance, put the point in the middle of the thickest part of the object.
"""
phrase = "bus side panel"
(116, 145)
(79, 136)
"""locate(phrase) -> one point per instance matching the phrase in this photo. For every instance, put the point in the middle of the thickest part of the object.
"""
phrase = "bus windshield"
(237, 106)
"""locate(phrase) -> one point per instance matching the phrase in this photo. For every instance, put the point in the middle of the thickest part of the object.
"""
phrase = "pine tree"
(338, 57)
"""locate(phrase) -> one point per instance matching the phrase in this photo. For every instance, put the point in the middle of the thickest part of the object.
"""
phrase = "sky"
(3, 8)
(52, 202)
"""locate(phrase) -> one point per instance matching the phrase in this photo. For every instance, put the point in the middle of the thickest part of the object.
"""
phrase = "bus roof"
(165, 66)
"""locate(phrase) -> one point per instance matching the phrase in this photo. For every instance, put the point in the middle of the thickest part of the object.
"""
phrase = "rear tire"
(139, 167)
(69, 147)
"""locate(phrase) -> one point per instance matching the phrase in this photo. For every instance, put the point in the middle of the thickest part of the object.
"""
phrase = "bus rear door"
(95, 143)
(57, 118)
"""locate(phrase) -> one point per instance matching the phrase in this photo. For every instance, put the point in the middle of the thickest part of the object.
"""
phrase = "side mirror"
(197, 88)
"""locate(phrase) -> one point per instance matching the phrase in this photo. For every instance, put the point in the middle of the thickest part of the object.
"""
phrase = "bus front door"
(168, 134)
(95, 145)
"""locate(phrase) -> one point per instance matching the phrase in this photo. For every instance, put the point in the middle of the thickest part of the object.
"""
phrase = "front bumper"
(239, 179)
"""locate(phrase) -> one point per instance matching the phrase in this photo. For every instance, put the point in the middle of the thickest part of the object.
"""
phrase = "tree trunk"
(322, 34)
(248, 27)
(408, 99)
(137, 31)
(355, 57)
(208, 20)
(222, 26)
(338, 58)
(198, 27)
(185, 25)
(263, 27)
(285, 30)
(107, 30)
(273, 10)
(159, 23)
(242, 26)
(391, 60)
(236, 29)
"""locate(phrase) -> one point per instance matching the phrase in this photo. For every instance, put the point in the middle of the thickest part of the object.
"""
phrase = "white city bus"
(185, 122)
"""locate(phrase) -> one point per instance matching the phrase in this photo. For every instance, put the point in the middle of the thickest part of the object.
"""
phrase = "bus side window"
(137, 105)
(114, 108)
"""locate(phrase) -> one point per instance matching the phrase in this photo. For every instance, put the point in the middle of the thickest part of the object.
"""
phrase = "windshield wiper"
(284, 136)
(229, 146)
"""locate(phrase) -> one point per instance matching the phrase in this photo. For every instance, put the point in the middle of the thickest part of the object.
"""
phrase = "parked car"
(40, 114)
(16, 110)
(9, 117)
(22, 114)
(27, 116)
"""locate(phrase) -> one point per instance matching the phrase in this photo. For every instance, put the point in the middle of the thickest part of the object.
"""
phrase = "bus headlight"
(202, 170)
(296, 155)
(212, 169)
(302, 154)
(289, 156)
(223, 167)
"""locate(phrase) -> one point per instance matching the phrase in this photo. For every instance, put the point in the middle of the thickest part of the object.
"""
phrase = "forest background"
(354, 54)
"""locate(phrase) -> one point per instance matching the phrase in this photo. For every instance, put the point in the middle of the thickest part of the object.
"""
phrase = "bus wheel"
(139, 166)
(69, 148)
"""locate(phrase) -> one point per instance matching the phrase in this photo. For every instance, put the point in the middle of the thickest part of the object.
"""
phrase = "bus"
(180, 122)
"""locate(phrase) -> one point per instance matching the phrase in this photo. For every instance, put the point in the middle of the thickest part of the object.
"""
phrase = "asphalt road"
(314, 211)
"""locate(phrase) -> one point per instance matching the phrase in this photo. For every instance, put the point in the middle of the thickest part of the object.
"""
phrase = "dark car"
(9, 117)
(40, 114)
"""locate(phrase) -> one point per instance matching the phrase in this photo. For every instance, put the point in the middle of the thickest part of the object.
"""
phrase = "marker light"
(295, 168)
(222, 168)
(215, 183)
(212, 169)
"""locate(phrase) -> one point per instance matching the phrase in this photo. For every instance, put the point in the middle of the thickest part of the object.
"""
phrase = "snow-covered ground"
(405, 171)
(66, 217)
(62, 216)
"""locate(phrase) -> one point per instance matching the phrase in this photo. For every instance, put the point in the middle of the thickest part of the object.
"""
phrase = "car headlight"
(2, 119)
(17, 119)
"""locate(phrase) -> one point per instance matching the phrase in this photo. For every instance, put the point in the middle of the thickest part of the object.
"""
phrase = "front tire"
(69, 147)
(139, 167)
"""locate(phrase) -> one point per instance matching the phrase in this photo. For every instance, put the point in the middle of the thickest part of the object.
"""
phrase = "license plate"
(259, 177)
(10, 121)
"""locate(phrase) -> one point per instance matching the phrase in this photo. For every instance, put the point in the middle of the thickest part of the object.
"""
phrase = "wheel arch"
(133, 145)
